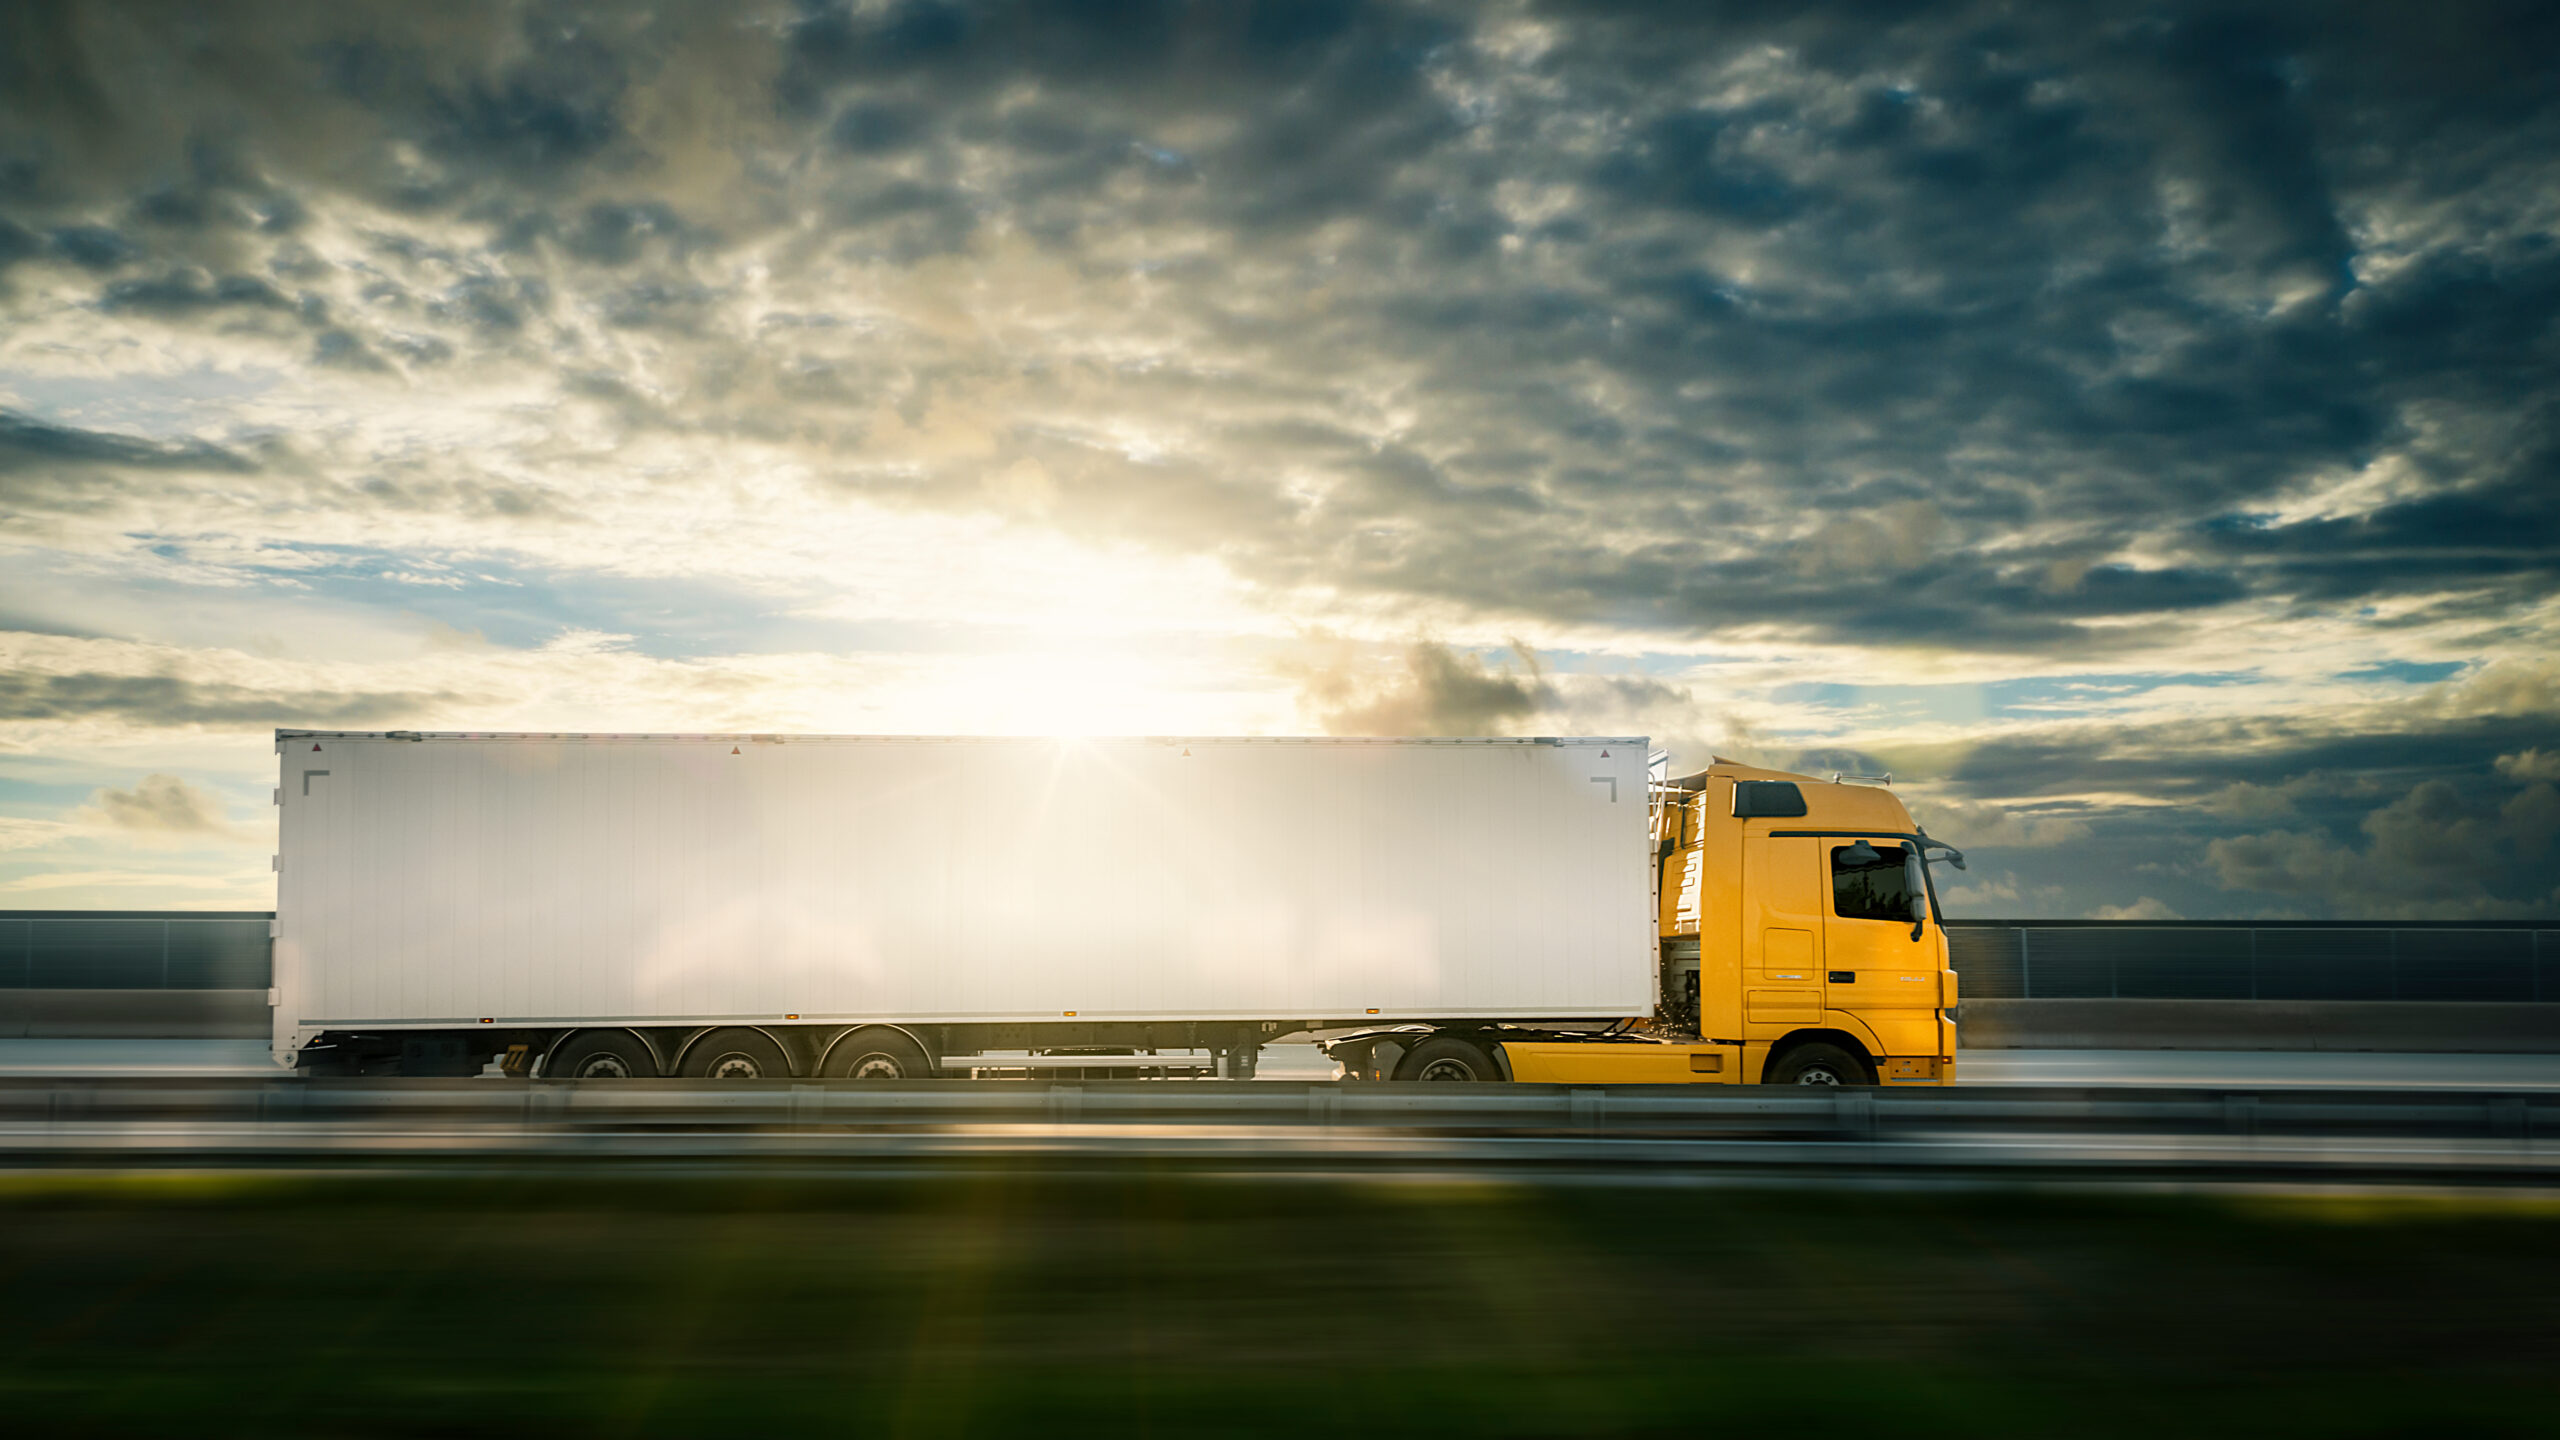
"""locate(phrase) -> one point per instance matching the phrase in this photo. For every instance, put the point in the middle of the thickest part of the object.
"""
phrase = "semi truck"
(745, 906)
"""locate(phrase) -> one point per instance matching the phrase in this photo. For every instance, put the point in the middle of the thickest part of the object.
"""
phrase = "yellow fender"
(1842, 1020)
(1755, 1061)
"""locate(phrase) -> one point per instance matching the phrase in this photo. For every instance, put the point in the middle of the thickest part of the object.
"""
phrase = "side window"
(1869, 882)
(1753, 799)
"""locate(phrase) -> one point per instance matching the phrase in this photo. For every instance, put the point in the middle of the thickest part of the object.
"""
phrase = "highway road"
(2223, 1068)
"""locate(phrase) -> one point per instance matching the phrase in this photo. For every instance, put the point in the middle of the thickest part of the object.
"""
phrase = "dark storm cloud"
(2437, 806)
(28, 444)
(63, 470)
(1964, 326)
(181, 292)
(2187, 763)
(165, 700)
(93, 247)
(2491, 524)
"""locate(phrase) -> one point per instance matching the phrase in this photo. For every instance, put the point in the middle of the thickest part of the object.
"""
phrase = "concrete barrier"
(2442, 1027)
(133, 1014)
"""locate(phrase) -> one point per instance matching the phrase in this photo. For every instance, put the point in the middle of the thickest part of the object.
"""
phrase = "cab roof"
(1827, 803)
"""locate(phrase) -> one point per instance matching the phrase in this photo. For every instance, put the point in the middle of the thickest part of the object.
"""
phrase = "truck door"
(1782, 932)
(1873, 967)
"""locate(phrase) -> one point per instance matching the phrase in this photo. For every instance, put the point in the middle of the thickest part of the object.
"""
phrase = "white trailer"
(874, 905)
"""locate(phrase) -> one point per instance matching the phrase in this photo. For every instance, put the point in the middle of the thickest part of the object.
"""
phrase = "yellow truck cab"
(1800, 943)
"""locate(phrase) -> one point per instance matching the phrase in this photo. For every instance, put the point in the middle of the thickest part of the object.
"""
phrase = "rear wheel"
(736, 1055)
(878, 1053)
(602, 1055)
(1817, 1064)
(1444, 1058)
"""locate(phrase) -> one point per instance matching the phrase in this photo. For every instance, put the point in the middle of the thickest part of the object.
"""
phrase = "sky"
(2135, 428)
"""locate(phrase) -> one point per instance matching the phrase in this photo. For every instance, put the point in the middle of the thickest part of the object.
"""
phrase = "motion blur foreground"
(2303, 1241)
(2201, 1179)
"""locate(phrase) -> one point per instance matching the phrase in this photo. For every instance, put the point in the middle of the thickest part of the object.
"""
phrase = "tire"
(1444, 1058)
(601, 1055)
(878, 1053)
(1818, 1064)
(736, 1054)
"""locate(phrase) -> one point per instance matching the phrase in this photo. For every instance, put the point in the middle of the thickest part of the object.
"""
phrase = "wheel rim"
(1818, 1075)
(602, 1067)
(876, 1066)
(1445, 1069)
(734, 1066)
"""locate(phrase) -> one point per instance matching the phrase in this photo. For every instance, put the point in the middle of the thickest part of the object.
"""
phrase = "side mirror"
(1915, 876)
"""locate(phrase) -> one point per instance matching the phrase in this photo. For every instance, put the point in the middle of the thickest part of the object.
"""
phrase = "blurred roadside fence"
(2471, 961)
(2032, 984)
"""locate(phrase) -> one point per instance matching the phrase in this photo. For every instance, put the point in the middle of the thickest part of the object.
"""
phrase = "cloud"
(2283, 862)
(1831, 309)
(2510, 687)
(126, 887)
(29, 444)
(2243, 801)
(1429, 689)
(2530, 765)
(163, 806)
(2183, 363)
(166, 700)
(1983, 825)
(19, 832)
(2145, 908)
(2434, 852)
(1979, 893)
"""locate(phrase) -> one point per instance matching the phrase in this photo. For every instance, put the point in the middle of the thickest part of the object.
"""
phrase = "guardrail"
(2426, 1137)
(1639, 1109)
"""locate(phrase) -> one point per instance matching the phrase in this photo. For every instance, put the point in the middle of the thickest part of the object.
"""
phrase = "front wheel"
(1817, 1065)
(1444, 1058)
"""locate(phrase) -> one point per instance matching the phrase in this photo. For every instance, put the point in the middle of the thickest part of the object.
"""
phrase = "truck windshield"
(1871, 882)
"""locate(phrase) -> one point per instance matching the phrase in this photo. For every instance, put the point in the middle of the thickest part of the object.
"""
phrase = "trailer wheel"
(1817, 1064)
(602, 1055)
(878, 1053)
(736, 1054)
(1444, 1058)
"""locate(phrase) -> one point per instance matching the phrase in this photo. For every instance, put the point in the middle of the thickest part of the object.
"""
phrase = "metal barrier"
(1388, 1133)
(134, 949)
(460, 1113)
(2507, 963)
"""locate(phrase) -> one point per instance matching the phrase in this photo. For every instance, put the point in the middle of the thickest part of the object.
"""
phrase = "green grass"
(1155, 1303)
